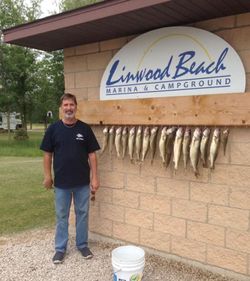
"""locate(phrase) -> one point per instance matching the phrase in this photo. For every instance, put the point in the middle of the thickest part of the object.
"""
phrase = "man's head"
(68, 104)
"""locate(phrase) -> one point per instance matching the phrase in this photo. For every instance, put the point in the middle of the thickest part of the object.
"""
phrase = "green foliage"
(17, 64)
(28, 148)
(21, 134)
(24, 203)
(66, 5)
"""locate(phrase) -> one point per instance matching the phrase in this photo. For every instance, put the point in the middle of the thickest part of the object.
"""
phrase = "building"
(204, 220)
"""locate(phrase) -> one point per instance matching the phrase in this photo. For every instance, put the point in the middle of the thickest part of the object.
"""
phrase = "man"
(72, 145)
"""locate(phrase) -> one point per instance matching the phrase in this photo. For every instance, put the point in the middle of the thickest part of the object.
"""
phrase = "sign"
(173, 61)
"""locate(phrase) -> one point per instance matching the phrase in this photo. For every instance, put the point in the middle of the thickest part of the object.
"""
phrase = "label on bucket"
(134, 277)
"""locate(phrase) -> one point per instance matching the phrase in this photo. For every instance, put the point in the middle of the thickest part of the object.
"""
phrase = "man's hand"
(94, 184)
(48, 183)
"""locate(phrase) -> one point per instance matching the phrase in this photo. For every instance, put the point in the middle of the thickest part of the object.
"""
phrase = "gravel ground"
(27, 257)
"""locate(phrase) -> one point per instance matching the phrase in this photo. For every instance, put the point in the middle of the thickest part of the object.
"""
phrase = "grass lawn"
(28, 147)
(24, 202)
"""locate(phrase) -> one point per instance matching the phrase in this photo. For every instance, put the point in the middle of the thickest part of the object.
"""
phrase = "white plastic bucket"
(128, 263)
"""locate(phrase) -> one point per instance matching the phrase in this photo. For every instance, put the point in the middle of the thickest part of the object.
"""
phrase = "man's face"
(68, 108)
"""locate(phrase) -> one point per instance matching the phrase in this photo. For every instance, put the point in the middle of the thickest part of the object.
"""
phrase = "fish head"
(216, 133)
(206, 132)
(179, 132)
(118, 130)
(132, 131)
(105, 130)
(111, 130)
(197, 133)
(154, 130)
(125, 130)
(225, 132)
(187, 132)
(146, 131)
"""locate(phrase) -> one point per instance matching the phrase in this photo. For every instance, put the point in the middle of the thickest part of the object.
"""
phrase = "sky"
(48, 7)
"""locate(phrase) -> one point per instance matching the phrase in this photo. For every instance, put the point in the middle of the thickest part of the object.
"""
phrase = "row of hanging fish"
(173, 142)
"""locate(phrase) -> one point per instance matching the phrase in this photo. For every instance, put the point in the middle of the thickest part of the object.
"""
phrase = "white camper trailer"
(15, 121)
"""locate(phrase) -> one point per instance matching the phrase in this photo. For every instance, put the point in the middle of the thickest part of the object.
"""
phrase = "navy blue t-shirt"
(70, 147)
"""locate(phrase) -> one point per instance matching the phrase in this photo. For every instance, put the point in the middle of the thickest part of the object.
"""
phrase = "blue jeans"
(63, 199)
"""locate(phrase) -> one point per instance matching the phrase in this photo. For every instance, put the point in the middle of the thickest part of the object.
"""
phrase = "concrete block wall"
(204, 219)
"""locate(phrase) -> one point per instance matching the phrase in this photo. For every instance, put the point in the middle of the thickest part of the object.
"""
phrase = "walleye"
(111, 139)
(162, 144)
(186, 146)
(204, 146)
(194, 150)
(145, 143)
(169, 144)
(124, 141)
(177, 147)
(214, 147)
(224, 139)
(152, 142)
(138, 142)
(105, 139)
(118, 136)
(131, 140)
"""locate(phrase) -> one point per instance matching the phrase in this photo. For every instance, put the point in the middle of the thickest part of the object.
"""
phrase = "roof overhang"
(117, 18)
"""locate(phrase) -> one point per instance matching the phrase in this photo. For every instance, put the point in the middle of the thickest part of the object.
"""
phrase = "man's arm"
(94, 182)
(47, 162)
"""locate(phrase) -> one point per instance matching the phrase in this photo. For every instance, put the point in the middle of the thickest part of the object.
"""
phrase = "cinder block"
(140, 184)
(155, 203)
(81, 94)
(87, 49)
(228, 217)
(139, 218)
(240, 153)
(173, 188)
(94, 93)
(217, 24)
(75, 64)
(228, 259)
(238, 38)
(104, 195)
(126, 232)
(240, 135)
(245, 57)
(112, 179)
(206, 233)
(126, 198)
(209, 193)
(69, 80)
(188, 248)
(156, 169)
(113, 44)
(243, 19)
(87, 79)
(240, 197)
(169, 225)
(238, 240)
(69, 52)
(124, 166)
(231, 175)
(99, 60)
(155, 239)
(112, 212)
(187, 209)
(101, 226)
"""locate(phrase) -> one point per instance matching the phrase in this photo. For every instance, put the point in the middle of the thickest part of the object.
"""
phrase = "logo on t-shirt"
(79, 137)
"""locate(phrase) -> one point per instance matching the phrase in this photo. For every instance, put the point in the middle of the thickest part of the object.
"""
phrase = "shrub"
(21, 134)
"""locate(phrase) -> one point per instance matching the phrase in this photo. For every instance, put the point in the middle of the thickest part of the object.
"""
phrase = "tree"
(66, 5)
(17, 64)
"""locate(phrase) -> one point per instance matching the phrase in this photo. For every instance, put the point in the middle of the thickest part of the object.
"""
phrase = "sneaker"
(86, 253)
(58, 257)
